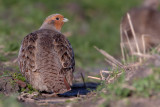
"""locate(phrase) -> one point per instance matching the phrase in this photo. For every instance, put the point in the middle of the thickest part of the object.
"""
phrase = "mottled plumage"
(46, 59)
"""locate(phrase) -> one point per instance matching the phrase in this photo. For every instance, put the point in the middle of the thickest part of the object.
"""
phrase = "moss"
(19, 76)
(31, 89)
(68, 101)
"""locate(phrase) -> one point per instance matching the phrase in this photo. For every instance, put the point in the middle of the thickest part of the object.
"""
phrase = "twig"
(103, 78)
(111, 58)
(107, 79)
(111, 79)
(96, 78)
(107, 72)
(134, 35)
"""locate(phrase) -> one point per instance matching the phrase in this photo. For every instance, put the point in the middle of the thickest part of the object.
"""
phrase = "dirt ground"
(81, 95)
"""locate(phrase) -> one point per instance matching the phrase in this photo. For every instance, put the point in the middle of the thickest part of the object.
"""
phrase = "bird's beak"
(65, 20)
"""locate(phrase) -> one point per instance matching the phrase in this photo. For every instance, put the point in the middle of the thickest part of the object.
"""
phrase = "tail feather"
(56, 83)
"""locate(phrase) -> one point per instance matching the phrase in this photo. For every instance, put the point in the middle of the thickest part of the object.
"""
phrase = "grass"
(19, 76)
(11, 99)
(142, 87)
(3, 58)
(149, 85)
(95, 23)
(5, 73)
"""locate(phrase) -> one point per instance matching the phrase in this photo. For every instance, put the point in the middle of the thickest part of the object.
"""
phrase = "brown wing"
(26, 57)
(65, 54)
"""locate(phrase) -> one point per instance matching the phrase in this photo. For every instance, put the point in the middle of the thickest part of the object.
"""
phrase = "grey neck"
(48, 26)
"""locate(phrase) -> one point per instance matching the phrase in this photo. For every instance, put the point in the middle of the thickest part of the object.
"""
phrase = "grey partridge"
(46, 57)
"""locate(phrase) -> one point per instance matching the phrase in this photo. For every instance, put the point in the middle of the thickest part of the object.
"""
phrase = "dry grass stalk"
(144, 46)
(111, 58)
(132, 67)
(96, 78)
(108, 72)
(102, 77)
(130, 46)
(143, 55)
(134, 35)
(122, 45)
(129, 43)
(122, 50)
(111, 63)
(116, 64)
(113, 78)
(107, 79)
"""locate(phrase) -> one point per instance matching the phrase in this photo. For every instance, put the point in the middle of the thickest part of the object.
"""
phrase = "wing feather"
(66, 55)
(64, 50)
(26, 57)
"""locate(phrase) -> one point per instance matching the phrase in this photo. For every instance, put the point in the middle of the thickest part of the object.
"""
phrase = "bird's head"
(54, 22)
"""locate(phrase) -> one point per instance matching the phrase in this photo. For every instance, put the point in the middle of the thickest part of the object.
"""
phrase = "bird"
(146, 24)
(46, 57)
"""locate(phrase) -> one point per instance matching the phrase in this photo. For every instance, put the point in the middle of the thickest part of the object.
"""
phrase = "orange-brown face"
(57, 21)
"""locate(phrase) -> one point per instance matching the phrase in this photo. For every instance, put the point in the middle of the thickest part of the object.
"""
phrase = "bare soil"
(81, 95)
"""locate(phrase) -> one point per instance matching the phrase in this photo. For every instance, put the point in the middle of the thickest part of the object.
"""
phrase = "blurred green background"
(92, 23)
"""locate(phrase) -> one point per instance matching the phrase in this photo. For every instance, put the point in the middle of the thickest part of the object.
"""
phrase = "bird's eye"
(57, 18)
